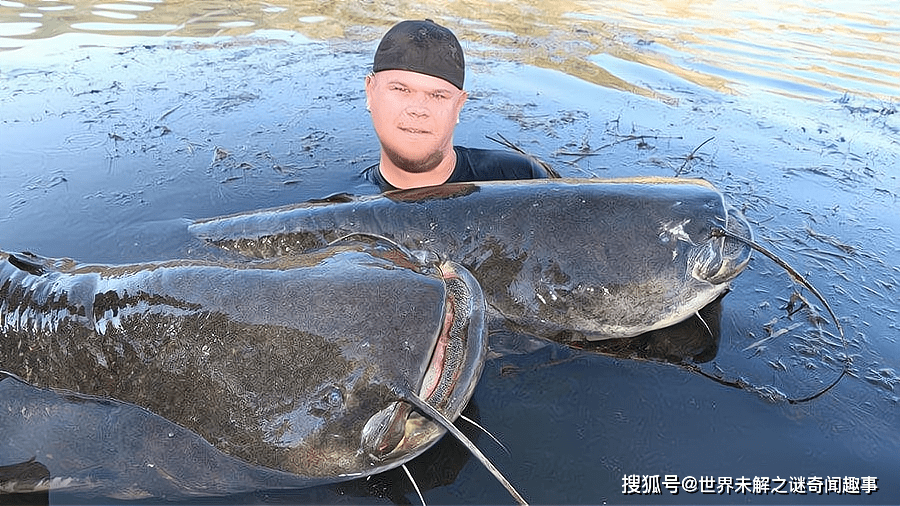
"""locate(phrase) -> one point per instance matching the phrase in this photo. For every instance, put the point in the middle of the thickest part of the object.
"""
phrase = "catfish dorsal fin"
(334, 198)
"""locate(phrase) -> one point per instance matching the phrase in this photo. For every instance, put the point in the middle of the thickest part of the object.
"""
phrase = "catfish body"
(291, 364)
(595, 259)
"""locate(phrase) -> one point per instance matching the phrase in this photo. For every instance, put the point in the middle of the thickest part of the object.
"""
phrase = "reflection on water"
(792, 47)
(107, 153)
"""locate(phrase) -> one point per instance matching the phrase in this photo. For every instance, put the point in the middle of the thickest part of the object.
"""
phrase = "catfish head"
(421, 334)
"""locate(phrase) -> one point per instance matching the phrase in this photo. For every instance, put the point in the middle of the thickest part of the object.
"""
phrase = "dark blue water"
(107, 152)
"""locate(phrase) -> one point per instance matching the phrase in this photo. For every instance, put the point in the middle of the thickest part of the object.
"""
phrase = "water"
(121, 122)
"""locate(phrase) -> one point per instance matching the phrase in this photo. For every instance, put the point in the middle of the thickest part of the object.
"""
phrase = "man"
(415, 93)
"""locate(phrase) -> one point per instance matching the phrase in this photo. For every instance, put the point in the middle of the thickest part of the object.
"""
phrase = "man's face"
(414, 116)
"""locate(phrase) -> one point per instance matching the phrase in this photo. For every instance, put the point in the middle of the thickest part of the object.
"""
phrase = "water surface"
(122, 121)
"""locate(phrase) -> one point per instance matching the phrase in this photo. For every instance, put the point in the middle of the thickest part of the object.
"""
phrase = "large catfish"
(301, 368)
(563, 259)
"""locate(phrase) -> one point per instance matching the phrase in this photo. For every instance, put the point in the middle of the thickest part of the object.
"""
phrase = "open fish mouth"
(449, 353)
(400, 432)
(724, 257)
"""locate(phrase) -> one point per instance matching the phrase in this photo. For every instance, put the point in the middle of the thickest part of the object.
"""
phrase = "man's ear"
(462, 98)
(369, 86)
(460, 101)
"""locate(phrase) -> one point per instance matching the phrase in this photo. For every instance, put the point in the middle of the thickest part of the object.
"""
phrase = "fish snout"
(724, 255)
(453, 370)
(459, 358)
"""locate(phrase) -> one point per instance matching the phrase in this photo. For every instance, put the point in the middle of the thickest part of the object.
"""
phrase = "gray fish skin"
(280, 363)
(593, 259)
(103, 447)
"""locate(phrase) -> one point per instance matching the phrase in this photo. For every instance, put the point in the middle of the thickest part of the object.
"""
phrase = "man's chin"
(414, 164)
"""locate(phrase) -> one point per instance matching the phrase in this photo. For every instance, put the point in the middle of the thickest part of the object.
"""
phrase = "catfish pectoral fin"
(28, 262)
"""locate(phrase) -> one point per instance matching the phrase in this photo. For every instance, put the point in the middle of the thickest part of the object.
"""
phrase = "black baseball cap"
(422, 46)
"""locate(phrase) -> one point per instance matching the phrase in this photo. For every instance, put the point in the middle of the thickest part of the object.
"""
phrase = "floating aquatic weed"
(771, 392)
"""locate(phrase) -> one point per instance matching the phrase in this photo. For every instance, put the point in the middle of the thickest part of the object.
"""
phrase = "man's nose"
(419, 104)
(417, 110)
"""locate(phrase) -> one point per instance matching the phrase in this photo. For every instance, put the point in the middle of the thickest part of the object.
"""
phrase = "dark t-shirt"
(477, 165)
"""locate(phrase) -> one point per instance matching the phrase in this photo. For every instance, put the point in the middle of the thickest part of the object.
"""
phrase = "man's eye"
(399, 88)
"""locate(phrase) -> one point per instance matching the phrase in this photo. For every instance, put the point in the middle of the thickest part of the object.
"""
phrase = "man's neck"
(401, 179)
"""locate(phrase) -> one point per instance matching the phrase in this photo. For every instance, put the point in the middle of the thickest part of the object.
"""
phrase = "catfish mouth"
(398, 431)
(448, 357)
(725, 257)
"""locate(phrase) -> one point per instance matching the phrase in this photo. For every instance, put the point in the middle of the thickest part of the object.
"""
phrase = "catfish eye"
(334, 398)
(330, 399)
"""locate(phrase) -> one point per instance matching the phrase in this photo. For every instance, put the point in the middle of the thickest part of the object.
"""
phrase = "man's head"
(423, 47)
(415, 95)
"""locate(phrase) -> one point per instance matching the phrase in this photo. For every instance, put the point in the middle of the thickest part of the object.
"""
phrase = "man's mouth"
(413, 130)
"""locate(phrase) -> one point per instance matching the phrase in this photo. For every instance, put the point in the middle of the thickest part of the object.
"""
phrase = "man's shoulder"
(372, 174)
(475, 164)
(489, 157)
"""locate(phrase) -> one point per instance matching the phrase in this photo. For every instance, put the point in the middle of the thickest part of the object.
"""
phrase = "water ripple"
(789, 47)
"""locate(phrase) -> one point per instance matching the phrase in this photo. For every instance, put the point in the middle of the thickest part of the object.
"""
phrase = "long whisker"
(719, 232)
(476, 424)
(700, 317)
(438, 417)
(414, 484)
(421, 255)
(369, 235)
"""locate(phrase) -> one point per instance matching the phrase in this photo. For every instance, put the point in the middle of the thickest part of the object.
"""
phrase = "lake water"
(121, 122)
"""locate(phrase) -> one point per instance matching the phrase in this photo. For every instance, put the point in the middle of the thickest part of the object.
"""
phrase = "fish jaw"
(398, 433)
(721, 258)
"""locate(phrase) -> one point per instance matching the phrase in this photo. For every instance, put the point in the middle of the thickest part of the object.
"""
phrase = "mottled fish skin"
(592, 258)
(279, 363)
(101, 447)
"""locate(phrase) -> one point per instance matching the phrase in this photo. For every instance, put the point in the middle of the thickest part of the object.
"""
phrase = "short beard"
(414, 166)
